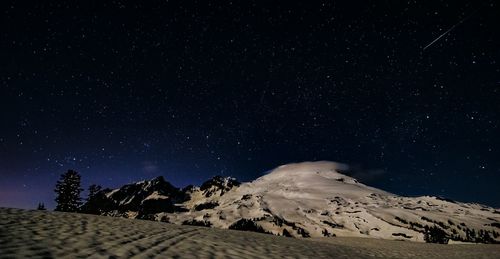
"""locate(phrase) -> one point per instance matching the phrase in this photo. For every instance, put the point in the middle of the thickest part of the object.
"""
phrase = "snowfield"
(309, 199)
(42, 234)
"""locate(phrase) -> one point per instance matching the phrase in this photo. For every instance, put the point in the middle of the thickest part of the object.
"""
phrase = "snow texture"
(44, 234)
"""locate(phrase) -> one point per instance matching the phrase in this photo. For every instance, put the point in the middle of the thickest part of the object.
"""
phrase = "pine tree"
(68, 192)
(41, 206)
(286, 233)
(435, 234)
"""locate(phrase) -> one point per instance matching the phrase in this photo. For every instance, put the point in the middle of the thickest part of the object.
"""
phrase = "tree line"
(68, 192)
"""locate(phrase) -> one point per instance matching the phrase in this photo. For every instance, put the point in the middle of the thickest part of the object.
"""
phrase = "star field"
(124, 91)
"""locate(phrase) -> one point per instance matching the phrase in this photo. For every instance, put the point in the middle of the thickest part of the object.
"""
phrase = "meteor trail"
(451, 28)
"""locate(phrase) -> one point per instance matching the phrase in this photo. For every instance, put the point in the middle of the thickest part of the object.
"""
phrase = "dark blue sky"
(125, 91)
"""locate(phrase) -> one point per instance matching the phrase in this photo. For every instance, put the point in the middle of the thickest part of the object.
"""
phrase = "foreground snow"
(40, 234)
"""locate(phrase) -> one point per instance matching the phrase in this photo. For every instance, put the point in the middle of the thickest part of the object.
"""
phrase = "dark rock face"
(99, 203)
(218, 183)
(146, 197)
(152, 206)
(205, 206)
(154, 196)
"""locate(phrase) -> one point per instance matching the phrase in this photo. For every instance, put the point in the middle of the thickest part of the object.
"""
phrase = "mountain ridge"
(308, 199)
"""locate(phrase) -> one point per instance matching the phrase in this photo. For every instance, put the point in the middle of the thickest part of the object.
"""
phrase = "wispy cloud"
(149, 167)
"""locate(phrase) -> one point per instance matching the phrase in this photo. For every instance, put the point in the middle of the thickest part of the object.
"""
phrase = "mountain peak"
(158, 179)
(304, 171)
(302, 199)
(218, 183)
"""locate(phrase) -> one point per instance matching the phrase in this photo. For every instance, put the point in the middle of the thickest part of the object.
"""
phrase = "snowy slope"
(46, 234)
(314, 199)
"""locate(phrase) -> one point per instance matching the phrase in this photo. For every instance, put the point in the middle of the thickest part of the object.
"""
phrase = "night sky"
(125, 91)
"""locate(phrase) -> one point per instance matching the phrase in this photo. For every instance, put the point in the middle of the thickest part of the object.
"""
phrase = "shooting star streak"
(451, 28)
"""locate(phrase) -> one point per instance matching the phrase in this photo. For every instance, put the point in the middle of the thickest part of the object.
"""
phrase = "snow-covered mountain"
(310, 199)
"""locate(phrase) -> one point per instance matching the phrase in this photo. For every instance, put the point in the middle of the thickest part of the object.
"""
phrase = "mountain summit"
(309, 199)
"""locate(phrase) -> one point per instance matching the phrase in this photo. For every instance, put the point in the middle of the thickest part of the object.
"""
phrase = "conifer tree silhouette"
(68, 192)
